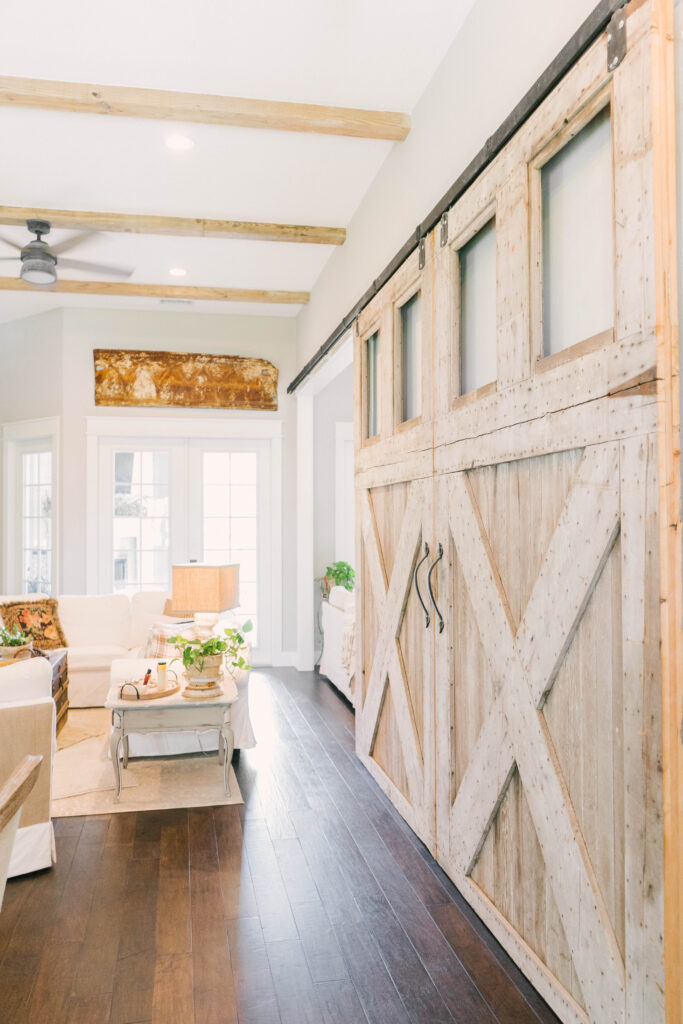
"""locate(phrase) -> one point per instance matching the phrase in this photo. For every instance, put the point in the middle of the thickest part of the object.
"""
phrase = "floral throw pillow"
(38, 619)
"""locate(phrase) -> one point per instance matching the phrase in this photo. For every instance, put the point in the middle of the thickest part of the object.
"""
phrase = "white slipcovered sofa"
(27, 726)
(338, 622)
(99, 628)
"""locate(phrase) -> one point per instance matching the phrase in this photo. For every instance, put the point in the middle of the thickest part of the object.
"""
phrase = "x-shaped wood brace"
(524, 665)
(387, 669)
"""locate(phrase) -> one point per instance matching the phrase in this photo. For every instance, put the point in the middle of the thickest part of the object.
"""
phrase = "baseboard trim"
(286, 659)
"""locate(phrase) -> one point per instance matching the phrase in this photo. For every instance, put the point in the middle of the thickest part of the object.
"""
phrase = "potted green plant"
(14, 645)
(340, 574)
(203, 660)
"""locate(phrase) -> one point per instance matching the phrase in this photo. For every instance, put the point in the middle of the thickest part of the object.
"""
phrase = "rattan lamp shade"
(205, 588)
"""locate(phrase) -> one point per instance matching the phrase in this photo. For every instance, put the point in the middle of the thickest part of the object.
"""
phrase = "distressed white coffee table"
(171, 714)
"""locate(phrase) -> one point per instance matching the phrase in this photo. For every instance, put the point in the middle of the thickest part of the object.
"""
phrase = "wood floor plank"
(254, 989)
(296, 995)
(52, 988)
(88, 1010)
(98, 958)
(237, 889)
(173, 1001)
(173, 926)
(339, 1003)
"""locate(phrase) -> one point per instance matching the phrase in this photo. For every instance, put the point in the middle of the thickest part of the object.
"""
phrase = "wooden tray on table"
(138, 692)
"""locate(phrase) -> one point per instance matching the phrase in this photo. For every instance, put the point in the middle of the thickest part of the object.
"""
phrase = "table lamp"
(204, 591)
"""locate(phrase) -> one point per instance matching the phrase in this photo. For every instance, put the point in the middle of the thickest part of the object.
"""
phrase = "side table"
(58, 659)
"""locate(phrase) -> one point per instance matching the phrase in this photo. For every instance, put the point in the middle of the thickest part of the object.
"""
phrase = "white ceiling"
(377, 54)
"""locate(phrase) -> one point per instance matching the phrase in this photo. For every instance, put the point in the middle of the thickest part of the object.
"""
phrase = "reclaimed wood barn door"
(517, 723)
(394, 512)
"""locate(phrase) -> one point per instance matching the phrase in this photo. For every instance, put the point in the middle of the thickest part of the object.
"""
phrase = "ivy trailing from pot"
(14, 644)
(196, 655)
(340, 574)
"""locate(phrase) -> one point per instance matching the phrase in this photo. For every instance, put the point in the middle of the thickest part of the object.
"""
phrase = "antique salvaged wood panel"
(183, 379)
(538, 503)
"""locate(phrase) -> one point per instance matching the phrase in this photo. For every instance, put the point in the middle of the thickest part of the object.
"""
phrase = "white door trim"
(340, 360)
(343, 435)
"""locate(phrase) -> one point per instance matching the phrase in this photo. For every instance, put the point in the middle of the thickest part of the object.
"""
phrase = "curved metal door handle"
(417, 586)
(431, 592)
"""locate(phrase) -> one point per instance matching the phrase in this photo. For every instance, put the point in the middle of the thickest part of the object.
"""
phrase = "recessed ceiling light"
(179, 142)
(177, 271)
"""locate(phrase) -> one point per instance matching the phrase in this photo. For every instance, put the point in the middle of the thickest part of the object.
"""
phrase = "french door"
(228, 515)
(165, 501)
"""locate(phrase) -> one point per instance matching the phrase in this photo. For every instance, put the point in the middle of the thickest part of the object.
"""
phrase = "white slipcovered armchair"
(28, 726)
(338, 622)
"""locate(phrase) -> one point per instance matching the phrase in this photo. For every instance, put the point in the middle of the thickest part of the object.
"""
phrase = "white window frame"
(182, 435)
(17, 439)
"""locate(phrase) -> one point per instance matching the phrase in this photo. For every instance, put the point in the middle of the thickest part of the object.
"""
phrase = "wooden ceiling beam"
(143, 224)
(275, 115)
(159, 291)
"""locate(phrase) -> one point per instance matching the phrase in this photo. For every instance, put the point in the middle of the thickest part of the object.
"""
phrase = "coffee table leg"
(228, 738)
(114, 745)
(125, 751)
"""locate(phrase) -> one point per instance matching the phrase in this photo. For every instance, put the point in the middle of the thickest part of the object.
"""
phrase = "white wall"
(30, 367)
(500, 51)
(334, 403)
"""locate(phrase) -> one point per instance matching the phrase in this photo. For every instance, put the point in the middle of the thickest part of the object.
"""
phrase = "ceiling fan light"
(38, 271)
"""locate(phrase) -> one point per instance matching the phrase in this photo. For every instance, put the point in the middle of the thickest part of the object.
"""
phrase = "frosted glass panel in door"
(36, 490)
(477, 264)
(410, 359)
(578, 238)
(141, 521)
(372, 384)
(230, 521)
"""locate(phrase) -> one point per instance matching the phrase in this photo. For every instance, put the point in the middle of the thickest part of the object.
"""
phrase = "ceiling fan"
(39, 261)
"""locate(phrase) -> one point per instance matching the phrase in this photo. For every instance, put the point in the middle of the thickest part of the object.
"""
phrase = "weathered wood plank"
(234, 111)
(191, 227)
(158, 291)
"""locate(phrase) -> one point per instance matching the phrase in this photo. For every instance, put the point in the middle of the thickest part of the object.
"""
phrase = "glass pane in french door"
(141, 521)
(230, 522)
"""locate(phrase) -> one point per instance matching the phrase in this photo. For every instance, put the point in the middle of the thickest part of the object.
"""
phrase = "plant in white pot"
(14, 645)
(203, 660)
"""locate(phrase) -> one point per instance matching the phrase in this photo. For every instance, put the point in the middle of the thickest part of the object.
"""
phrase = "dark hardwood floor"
(312, 903)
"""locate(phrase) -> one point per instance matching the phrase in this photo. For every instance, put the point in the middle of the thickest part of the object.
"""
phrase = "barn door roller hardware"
(598, 21)
(616, 38)
(443, 235)
(420, 239)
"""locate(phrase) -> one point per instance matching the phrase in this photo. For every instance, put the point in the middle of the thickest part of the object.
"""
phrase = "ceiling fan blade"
(3, 258)
(70, 243)
(95, 268)
(12, 244)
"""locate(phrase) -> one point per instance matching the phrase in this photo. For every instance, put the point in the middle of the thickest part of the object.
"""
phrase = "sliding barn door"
(508, 675)
(547, 709)
(547, 671)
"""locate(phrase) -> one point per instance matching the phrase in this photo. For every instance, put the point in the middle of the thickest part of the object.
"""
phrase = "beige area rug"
(83, 724)
(83, 776)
